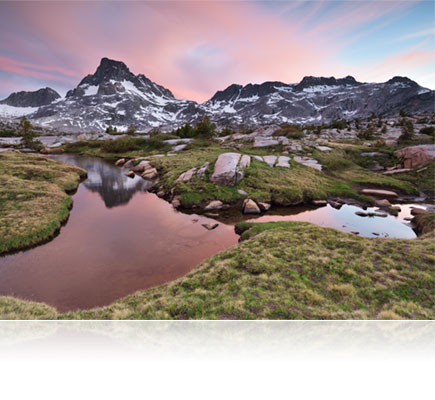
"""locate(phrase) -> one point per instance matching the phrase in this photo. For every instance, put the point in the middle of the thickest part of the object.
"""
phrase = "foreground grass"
(284, 270)
(347, 164)
(33, 198)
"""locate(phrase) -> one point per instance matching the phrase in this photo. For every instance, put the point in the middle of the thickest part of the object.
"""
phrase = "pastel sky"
(196, 48)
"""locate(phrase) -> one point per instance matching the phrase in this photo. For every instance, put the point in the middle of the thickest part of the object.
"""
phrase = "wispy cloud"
(423, 33)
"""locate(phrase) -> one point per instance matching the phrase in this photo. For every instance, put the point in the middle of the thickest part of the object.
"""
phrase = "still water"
(120, 238)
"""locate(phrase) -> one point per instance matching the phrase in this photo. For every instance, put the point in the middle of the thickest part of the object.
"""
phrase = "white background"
(216, 360)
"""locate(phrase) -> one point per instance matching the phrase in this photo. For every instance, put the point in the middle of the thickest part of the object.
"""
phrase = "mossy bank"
(33, 198)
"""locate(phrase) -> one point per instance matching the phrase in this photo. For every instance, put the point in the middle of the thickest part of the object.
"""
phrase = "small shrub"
(186, 131)
(366, 134)
(112, 130)
(131, 130)
(290, 131)
(119, 145)
(205, 128)
(226, 131)
(28, 135)
(407, 131)
(428, 130)
(341, 124)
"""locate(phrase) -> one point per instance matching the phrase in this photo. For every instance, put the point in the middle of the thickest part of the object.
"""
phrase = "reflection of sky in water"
(346, 220)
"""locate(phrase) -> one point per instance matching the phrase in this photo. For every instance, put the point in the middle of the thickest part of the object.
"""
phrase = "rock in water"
(383, 203)
(214, 205)
(418, 211)
(130, 174)
(129, 163)
(150, 174)
(225, 169)
(175, 202)
(264, 206)
(250, 207)
(141, 167)
(210, 226)
(120, 162)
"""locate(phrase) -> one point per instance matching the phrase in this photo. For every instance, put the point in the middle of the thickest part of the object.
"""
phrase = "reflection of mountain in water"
(109, 181)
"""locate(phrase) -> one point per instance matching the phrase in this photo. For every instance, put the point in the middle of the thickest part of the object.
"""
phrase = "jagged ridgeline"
(114, 96)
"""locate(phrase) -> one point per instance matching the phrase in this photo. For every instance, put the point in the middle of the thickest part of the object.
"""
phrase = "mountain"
(23, 103)
(114, 96)
(37, 98)
(316, 100)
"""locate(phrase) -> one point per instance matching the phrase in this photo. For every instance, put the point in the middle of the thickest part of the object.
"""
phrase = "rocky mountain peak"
(401, 80)
(230, 92)
(310, 81)
(108, 70)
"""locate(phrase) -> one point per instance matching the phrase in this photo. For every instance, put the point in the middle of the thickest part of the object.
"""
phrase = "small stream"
(120, 238)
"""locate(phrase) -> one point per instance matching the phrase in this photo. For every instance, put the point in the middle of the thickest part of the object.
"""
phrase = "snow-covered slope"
(7, 111)
(18, 104)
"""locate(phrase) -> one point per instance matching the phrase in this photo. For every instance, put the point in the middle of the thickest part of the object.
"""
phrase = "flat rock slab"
(265, 142)
(283, 162)
(379, 193)
(179, 147)
(177, 141)
(270, 160)
(396, 171)
(258, 158)
(283, 140)
(374, 154)
(308, 162)
(225, 169)
(324, 148)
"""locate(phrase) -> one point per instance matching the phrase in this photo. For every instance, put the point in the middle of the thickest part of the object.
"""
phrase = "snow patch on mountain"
(91, 90)
(7, 111)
